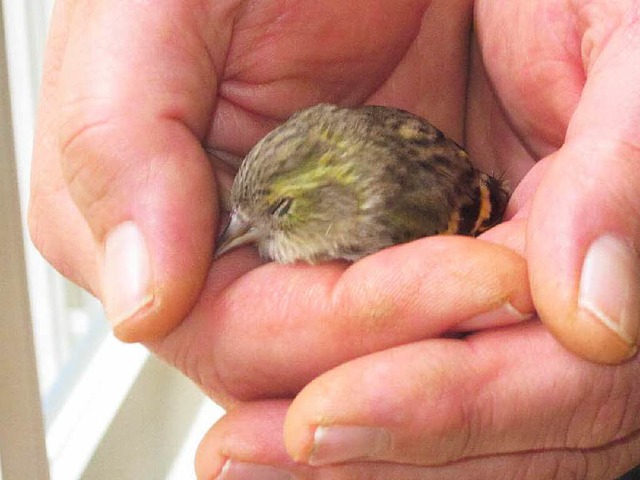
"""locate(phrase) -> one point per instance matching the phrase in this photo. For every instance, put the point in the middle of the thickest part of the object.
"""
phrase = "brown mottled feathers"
(357, 180)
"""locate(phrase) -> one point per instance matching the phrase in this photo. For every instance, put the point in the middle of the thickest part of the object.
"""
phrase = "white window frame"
(22, 446)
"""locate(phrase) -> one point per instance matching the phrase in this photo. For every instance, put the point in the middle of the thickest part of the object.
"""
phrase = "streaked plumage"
(335, 182)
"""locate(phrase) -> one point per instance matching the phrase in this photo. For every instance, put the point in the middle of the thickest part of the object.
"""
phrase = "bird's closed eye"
(281, 207)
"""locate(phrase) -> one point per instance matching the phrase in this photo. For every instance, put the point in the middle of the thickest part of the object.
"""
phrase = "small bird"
(343, 183)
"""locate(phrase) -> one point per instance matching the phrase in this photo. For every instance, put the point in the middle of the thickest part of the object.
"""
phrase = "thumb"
(583, 238)
(133, 163)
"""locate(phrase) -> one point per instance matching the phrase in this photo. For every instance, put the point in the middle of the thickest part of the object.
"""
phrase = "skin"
(556, 111)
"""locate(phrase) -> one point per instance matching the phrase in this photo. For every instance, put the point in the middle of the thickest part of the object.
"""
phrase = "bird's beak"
(238, 232)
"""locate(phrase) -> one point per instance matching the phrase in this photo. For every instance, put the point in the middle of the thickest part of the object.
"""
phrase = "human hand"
(87, 105)
(499, 403)
(125, 204)
(565, 78)
(168, 201)
(124, 200)
(505, 403)
(508, 403)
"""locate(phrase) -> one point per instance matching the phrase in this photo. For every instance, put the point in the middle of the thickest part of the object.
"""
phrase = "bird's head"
(296, 193)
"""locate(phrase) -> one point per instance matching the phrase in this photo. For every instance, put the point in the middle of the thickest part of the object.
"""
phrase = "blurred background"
(74, 402)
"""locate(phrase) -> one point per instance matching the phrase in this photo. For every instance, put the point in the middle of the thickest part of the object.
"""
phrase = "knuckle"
(614, 412)
(81, 146)
(88, 158)
(626, 397)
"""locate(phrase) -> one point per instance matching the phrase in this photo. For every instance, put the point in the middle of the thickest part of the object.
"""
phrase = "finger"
(316, 317)
(247, 445)
(56, 226)
(129, 138)
(230, 437)
(439, 401)
(584, 230)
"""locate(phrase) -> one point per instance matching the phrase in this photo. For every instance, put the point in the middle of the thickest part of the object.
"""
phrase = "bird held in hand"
(335, 182)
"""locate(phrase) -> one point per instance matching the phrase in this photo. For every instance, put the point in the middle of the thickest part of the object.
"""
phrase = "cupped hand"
(509, 403)
(555, 81)
(125, 203)
(564, 77)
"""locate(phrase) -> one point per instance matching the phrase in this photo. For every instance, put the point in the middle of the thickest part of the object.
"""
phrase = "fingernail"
(126, 273)
(252, 471)
(504, 315)
(337, 444)
(610, 286)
